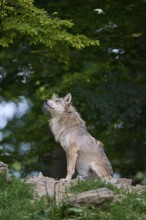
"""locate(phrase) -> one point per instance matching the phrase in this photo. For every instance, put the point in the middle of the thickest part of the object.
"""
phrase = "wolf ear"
(54, 96)
(68, 98)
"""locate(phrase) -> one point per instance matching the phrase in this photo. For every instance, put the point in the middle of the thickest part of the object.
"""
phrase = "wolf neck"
(60, 123)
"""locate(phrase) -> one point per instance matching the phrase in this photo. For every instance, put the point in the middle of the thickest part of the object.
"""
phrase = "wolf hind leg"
(99, 170)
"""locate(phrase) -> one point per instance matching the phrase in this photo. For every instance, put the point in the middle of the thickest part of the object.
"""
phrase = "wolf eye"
(56, 100)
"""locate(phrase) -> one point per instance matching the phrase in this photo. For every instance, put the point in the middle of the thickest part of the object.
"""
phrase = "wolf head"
(57, 105)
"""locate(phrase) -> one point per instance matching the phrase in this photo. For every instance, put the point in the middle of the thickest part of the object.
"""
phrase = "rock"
(140, 188)
(124, 181)
(42, 185)
(4, 169)
(48, 186)
(119, 183)
(57, 189)
(96, 196)
(109, 179)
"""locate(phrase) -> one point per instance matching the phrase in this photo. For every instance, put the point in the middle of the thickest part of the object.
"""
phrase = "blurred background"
(94, 49)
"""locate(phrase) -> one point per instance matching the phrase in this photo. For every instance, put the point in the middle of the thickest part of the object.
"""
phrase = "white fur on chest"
(57, 128)
(60, 133)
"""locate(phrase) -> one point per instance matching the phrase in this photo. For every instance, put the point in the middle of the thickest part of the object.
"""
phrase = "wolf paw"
(65, 180)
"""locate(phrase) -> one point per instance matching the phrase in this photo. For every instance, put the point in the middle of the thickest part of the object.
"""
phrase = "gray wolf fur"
(83, 152)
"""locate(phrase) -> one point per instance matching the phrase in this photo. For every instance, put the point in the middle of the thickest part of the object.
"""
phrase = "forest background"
(94, 49)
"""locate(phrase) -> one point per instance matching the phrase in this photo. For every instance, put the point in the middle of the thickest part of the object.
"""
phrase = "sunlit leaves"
(21, 20)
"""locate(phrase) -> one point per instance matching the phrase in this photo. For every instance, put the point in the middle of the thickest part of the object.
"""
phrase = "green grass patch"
(90, 184)
(16, 200)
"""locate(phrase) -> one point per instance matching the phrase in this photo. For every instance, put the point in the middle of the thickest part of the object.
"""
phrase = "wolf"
(84, 153)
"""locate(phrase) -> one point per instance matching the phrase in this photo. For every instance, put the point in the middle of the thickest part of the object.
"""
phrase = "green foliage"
(21, 20)
(108, 82)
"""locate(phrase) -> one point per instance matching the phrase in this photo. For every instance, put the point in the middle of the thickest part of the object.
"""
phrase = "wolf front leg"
(72, 155)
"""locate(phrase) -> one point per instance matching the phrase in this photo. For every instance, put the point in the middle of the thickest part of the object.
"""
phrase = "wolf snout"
(46, 102)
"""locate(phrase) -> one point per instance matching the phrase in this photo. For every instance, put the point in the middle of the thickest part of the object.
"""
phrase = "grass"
(90, 184)
(16, 204)
(16, 200)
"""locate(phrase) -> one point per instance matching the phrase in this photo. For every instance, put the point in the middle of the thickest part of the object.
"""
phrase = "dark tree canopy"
(93, 49)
